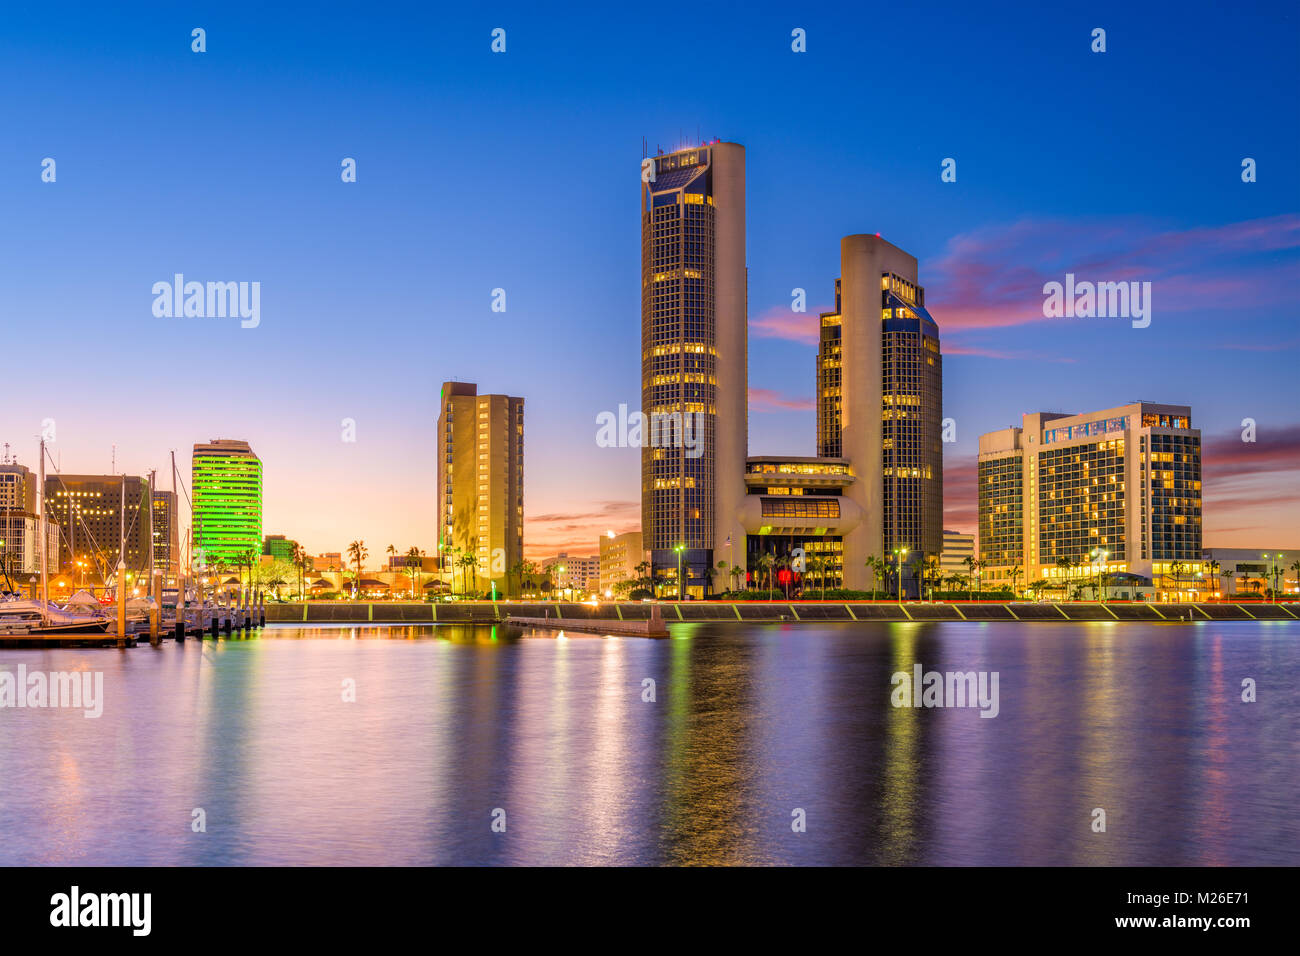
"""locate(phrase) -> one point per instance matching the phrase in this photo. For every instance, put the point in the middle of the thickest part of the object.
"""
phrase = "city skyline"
(371, 298)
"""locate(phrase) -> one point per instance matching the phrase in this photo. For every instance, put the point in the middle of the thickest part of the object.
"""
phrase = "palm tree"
(971, 565)
(1296, 568)
(469, 561)
(452, 555)
(932, 572)
(1014, 574)
(1177, 569)
(300, 562)
(722, 569)
(1065, 564)
(357, 553)
(414, 565)
(1214, 567)
(645, 580)
(517, 570)
(765, 565)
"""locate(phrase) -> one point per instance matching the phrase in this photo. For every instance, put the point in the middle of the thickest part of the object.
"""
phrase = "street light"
(679, 549)
(899, 555)
(1099, 556)
(1272, 571)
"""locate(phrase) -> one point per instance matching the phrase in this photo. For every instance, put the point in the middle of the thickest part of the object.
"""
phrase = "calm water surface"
(750, 723)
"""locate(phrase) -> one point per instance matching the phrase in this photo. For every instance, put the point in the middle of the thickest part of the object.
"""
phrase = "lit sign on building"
(1101, 426)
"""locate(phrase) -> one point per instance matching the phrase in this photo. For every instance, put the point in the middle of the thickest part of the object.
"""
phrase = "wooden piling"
(155, 613)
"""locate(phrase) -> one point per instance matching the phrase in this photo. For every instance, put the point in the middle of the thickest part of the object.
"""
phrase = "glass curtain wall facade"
(227, 487)
(692, 362)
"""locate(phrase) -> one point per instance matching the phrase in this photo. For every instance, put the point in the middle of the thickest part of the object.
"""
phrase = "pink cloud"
(780, 323)
(993, 277)
(768, 400)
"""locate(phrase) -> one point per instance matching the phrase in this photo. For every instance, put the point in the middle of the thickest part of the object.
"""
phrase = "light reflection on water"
(750, 723)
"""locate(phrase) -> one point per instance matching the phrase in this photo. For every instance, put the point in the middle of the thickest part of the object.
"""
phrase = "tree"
(1014, 574)
(765, 565)
(276, 575)
(358, 553)
(414, 565)
(1177, 569)
(817, 566)
(529, 572)
(516, 570)
(887, 576)
(931, 572)
(300, 563)
(971, 565)
(1214, 568)
(722, 569)
(468, 563)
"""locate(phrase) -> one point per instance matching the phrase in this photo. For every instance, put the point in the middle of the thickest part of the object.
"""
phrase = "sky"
(520, 171)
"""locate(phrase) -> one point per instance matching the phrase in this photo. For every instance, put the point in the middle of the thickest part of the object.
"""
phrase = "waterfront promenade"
(793, 612)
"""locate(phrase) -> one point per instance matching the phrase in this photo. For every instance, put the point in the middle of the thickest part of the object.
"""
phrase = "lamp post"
(1099, 557)
(680, 591)
(1273, 561)
(899, 555)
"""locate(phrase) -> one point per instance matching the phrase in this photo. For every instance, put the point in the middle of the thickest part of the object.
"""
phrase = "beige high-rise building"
(880, 408)
(619, 556)
(1115, 491)
(481, 485)
(694, 362)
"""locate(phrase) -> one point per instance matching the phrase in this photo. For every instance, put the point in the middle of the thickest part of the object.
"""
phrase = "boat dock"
(209, 622)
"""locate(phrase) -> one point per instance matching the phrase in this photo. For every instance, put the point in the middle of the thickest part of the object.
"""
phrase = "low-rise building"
(1250, 571)
(619, 556)
(957, 547)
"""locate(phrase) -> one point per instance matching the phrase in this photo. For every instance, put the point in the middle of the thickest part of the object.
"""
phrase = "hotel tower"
(694, 366)
(1064, 498)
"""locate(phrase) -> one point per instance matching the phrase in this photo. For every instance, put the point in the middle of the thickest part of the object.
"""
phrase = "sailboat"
(41, 617)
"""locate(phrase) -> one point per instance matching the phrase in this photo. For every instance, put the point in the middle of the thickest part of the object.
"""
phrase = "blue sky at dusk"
(521, 171)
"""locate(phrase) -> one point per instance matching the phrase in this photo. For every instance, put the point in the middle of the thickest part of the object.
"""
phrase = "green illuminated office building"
(227, 488)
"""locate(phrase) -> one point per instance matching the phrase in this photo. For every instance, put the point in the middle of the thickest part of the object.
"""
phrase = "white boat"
(19, 617)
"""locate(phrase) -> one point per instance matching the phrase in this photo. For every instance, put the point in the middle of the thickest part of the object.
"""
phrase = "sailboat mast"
(45, 583)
